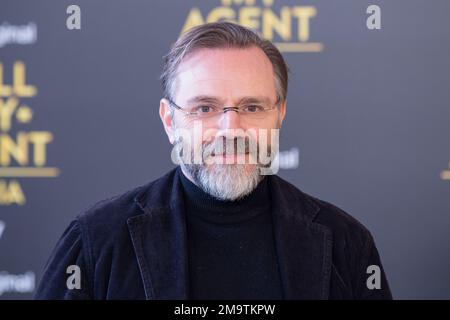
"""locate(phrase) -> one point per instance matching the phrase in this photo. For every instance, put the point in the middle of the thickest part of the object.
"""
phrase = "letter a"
(74, 280)
(374, 281)
(74, 20)
(374, 20)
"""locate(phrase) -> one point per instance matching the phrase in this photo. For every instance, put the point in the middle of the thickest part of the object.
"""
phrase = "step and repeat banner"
(367, 125)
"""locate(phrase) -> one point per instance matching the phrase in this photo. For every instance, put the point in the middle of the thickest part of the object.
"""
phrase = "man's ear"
(282, 112)
(167, 118)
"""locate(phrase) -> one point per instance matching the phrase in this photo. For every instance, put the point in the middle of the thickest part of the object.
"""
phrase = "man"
(220, 225)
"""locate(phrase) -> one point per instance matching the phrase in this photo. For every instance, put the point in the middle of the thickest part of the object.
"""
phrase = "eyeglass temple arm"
(172, 103)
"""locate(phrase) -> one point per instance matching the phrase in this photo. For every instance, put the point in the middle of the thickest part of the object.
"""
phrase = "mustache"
(223, 145)
(229, 146)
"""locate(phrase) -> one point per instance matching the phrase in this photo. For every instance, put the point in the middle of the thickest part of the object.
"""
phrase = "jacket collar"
(159, 238)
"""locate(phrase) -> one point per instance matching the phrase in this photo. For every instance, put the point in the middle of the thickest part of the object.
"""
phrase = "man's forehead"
(226, 59)
(228, 55)
(226, 71)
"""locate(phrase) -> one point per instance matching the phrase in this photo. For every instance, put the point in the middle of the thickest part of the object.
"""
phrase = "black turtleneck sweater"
(231, 245)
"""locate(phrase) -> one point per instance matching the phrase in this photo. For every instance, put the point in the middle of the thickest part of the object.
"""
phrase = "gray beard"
(225, 181)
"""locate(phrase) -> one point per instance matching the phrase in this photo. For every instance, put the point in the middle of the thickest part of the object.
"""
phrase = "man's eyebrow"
(257, 99)
(247, 99)
(203, 98)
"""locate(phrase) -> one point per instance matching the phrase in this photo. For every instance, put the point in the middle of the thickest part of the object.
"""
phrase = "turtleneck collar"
(209, 208)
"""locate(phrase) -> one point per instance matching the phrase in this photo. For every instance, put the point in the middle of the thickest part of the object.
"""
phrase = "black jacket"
(133, 246)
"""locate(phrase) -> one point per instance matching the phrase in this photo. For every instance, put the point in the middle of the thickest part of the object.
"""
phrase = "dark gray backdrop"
(369, 115)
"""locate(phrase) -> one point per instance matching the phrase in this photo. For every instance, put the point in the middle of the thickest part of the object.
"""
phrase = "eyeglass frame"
(224, 109)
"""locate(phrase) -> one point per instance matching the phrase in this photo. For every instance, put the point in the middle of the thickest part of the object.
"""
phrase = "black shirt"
(231, 245)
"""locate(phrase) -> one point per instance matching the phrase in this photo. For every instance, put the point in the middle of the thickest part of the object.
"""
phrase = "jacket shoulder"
(340, 222)
(110, 215)
(111, 212)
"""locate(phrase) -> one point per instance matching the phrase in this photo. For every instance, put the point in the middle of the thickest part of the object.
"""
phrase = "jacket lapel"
(160, 245)
(304, 248)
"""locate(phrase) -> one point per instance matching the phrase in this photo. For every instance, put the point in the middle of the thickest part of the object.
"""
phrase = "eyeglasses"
(206, 110)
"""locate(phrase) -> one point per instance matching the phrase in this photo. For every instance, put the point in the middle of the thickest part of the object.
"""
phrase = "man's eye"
(253, 108)
(204, 109)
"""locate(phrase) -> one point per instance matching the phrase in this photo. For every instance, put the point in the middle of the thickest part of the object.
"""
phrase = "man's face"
(225, 76)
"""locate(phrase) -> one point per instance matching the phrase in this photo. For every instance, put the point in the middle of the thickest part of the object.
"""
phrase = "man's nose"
(230, 119)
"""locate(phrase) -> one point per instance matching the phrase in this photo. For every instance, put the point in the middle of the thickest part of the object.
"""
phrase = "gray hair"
(221, 35)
